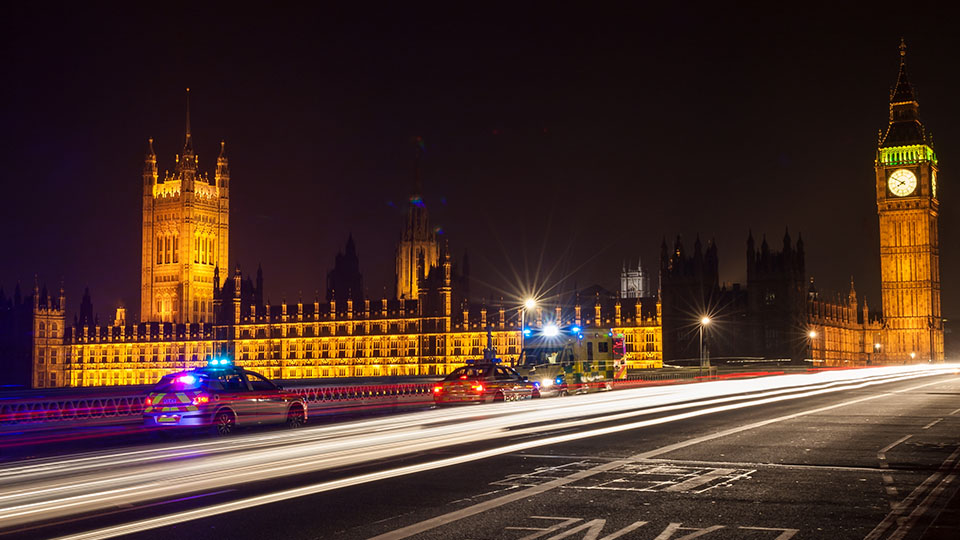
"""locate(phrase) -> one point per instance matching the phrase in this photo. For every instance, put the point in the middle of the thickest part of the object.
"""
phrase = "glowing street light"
(812, 334)
(529, 303)
(704, 321)
(551, 330)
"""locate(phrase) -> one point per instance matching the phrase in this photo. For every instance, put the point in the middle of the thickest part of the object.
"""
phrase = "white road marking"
(890, 446)
(697, 481)
(955, 412)
(785, 534)
(593, 529)
(895, 515)
(674, 527)
(564, 522)
(907, 524)
(931, 424)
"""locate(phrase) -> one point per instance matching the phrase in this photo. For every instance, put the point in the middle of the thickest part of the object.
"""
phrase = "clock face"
(933, 182)
(902, 182)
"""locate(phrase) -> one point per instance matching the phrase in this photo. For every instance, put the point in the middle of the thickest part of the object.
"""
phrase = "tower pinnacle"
(188, 141)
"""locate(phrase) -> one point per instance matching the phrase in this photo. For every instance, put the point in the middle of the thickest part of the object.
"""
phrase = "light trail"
(46, 490)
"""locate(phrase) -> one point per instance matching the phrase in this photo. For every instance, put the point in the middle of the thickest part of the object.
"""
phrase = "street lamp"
(704, 321)
(812, 334)
(876, 352)
(529, 303)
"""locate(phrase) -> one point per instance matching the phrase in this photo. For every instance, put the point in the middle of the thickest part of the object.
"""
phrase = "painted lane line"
(697, 481)
(955, 412)
(908, 524)
(895, 514)
(171, 519)
(890, 446)
(931, 424)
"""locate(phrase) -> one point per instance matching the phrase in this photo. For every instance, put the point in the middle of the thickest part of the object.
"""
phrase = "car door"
(236, 394)
(271, 407)
(508, 383)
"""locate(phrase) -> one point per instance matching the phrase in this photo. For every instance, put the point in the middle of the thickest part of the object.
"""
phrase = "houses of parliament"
(194, 307)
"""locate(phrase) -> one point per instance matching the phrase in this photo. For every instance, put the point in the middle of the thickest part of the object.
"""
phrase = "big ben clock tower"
(907, 203)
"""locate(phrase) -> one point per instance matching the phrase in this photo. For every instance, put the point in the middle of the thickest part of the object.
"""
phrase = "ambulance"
(572, 359)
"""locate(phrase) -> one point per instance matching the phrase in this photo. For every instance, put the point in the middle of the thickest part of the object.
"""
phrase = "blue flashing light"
(219, 362)
(188, 380)
(575, 329)
(558, 380)
(527, 332)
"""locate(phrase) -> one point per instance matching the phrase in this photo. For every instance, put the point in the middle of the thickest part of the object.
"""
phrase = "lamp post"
(704, 321)
(876, 353)
(812, 334)
(529, 303)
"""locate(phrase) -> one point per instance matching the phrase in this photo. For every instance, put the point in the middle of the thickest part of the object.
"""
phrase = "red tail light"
(148, 402)
(201, 399)
(437, 389)
(478, 388)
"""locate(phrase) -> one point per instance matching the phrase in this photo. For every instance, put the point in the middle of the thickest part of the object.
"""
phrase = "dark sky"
(555, 138)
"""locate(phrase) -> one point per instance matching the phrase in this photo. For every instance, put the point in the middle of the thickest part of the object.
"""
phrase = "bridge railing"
(112, 408)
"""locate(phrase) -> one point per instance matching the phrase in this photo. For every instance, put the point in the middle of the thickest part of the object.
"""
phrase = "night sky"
(558, 140)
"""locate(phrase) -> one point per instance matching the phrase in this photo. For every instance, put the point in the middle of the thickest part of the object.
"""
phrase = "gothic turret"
(905, 127)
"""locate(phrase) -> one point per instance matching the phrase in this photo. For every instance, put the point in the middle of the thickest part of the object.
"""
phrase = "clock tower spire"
(908, 208)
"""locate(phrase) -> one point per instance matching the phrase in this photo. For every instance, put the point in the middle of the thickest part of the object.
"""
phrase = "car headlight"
(546, 383)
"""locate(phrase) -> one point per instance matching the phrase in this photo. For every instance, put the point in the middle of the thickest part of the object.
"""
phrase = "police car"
(220, 397)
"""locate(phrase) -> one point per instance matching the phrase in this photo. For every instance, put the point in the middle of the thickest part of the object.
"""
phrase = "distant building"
(418, 250)
(634, 282)
(776, 316)
(185, 235)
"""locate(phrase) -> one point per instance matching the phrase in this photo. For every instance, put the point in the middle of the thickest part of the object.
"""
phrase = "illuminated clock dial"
(933, 182)
(902, 182)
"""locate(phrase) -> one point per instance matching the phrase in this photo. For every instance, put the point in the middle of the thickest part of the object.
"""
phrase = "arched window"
(176, 248)
(41, 330)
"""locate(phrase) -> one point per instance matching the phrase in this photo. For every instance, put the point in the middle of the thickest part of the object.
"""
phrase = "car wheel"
(223, 424)
(498, 397)
(295, 418)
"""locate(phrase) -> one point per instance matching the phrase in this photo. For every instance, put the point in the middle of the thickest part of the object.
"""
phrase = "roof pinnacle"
(188, 112)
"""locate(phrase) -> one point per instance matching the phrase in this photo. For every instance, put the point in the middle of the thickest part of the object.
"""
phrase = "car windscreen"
(464, 373)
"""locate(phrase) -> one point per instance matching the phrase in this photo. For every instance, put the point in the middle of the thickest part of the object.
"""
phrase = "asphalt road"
(827, 460)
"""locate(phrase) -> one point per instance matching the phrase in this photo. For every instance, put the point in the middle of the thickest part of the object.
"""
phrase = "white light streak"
(55, 488)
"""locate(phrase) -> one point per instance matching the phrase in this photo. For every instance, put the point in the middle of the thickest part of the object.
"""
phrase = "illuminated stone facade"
(907, 203)
(386, 337)
(186, 224)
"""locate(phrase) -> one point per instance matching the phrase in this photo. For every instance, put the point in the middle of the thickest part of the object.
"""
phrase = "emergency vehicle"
(568, 360)
(220, 397)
